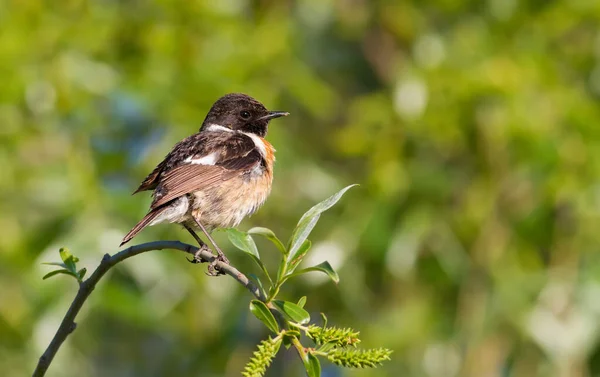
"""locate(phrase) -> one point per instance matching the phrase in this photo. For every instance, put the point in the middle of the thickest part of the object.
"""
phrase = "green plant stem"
(274, 291)
(300, 348)
(318, 353)
(298, 326)
(68, 324)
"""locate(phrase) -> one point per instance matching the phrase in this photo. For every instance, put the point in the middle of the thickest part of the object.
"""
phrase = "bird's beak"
(274, 114)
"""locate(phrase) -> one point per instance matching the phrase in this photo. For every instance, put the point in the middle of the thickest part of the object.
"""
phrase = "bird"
(217, 176)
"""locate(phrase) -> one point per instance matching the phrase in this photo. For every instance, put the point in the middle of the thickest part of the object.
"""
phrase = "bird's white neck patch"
(218, 127)
(209, 159)
(258, 142)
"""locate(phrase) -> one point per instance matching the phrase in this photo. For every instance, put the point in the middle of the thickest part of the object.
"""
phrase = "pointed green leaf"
(289, 336)
(312, 365)
(69, 259)
(293, 264)
(81, 273)
(309, 220)
(56, 272)
(260, 311)
(55, 264)
(287, 341)
(268, 234)
(244, 242)
(302, 301)
(288, 266)
(258, 283)
(321, 267)
(293, 333)
(292, 311)
(326, 347)
(324, 318)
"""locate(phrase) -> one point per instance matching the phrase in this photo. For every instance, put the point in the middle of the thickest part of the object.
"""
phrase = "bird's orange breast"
(269, 156)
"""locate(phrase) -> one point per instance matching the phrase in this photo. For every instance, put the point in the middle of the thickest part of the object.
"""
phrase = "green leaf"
(259, 284)
(309, 220)
(260, 311)
(268, 234)
(287, 341)
(244, 242)
(292, 311)
(293, 333)
(321, 267)
(326, 347)
(302, 301)
(300, 254)
(69, 259)
(55, 264)
(312, 365)
(56, 272)
(81, 273)
(324, 318)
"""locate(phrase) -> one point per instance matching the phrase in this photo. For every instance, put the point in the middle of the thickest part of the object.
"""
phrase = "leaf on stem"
(69, 259)
(244, 242)
(292, 312)
(312, 365)
(55, 264)
(324, 267)
(258, 283)
(293, 263)
(262, 312)
(309, 220)
(268, 234)
(56, 272)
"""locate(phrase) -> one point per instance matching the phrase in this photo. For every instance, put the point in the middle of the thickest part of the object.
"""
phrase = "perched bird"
(216, 177)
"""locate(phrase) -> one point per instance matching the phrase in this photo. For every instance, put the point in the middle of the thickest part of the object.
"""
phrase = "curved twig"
(68, 325)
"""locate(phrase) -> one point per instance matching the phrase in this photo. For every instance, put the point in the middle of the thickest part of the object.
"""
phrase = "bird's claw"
(213, 269)
(197, 258)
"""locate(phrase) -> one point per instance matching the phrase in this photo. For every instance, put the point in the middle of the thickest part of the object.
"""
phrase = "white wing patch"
(258, 142)
(209, 159)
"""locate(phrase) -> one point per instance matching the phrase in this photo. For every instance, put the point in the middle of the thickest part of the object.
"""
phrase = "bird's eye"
(245, 114)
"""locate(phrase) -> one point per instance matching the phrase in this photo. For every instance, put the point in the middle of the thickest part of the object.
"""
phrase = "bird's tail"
(141, 225)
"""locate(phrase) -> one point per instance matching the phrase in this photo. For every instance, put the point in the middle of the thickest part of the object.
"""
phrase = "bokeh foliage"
(470, 248)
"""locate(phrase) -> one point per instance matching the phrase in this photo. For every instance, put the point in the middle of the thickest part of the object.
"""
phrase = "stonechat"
(216, 177)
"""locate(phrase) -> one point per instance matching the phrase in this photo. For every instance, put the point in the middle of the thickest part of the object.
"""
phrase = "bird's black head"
(239, 112)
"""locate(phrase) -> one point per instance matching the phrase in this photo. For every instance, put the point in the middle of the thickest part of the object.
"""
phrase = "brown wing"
(229, 145)
(188, 178)
(151, 180)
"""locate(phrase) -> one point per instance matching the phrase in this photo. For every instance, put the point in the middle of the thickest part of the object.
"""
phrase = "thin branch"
(68, 325)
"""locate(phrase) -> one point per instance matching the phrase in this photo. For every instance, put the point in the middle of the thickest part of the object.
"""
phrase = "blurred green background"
(473, 127)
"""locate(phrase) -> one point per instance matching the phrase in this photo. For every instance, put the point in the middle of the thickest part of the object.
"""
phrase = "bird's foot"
(197, 258)
(213, 268)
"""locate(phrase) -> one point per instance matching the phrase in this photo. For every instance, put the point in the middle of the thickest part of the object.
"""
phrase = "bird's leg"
(220, 255)
(201, 243)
